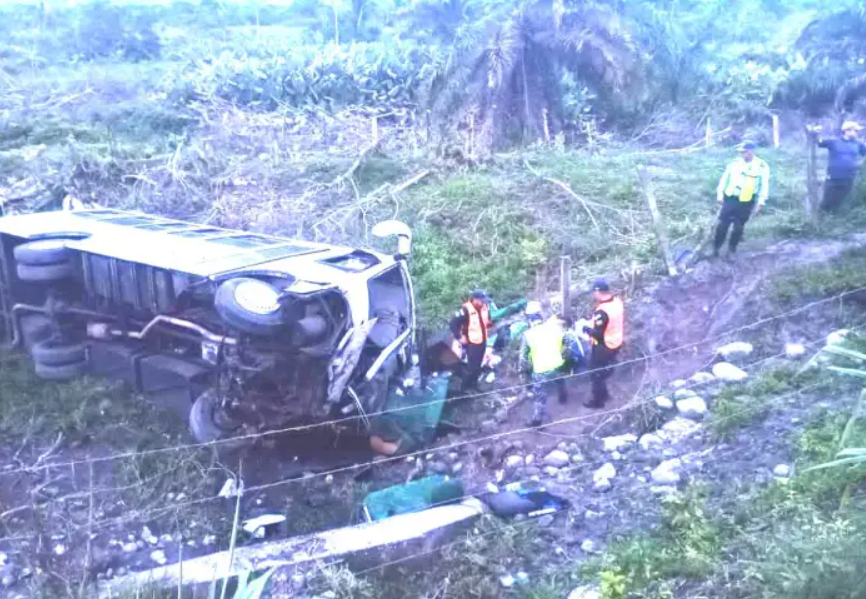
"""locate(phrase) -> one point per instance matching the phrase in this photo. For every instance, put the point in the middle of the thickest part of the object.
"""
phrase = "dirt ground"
(674, 326)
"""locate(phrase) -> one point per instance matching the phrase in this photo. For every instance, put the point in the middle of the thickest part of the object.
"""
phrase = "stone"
(589, 546)
(457, 468)
(684, 393)
(576, 458)
(701, 378)
(667, 473)
(130, 547)
(550, 471)
(650, 441)
(557, 458)
(59, 549)
(616, 456)
(606, 472)
(514, 461)
(602, 485)
(795, 350)
(693, 408)
(678, 384)
(664, 403)
(736, 349)
(532, 471)
(7, 577)
(159, 557)
(585, 592)
(729, 373)
(545, 520)
(782, 471)
(592, 515)
(507, 581)
(529, 460)
(618, 442)
(837, 337)
(677, 430)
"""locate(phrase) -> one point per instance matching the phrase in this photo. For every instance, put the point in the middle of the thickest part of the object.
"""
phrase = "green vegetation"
(845, 273)
(684, 546)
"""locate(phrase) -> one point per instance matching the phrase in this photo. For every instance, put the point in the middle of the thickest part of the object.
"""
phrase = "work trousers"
(540, 388)
(835, 192)
(601, 360)
(734, 214)
(474, 358)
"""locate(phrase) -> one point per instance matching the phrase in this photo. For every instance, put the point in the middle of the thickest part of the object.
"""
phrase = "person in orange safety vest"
(607, 335)
(471, 326)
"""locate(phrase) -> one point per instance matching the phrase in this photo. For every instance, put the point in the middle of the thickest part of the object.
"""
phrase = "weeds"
(845, 273)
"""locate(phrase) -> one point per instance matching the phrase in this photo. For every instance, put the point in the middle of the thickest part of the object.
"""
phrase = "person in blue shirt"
(843, 162)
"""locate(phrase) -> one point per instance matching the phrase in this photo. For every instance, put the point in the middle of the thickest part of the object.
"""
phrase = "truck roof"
(196, 249)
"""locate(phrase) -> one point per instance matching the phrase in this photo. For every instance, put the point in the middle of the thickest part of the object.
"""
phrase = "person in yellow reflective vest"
(607, 334)
(742, 192)
(543, 348)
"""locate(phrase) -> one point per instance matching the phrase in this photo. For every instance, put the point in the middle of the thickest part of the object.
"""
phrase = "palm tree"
(511, 85)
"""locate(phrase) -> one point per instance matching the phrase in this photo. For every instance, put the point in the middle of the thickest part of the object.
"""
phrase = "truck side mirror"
(390, 228)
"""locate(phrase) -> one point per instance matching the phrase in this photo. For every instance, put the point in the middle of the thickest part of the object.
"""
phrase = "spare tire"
(47, 273)
(42, 252)
(62, 372)
(57, 353)
(208, 422)
(249, 305)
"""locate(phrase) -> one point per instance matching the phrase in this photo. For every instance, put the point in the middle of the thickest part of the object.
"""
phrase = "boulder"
(606, 472)
(684, 393)
(782, 471)
(590, 546)
(678, 384)
(736, 349)
(678, 429)
(667, 473)
(602, 485)
(795, 350)
(650, 441)
(557, 458)
(693, 408)
(585, 592)
(514, 461)
(729, 373)
(619, 442)
(664, 403)
(529, 460)
(701, 378)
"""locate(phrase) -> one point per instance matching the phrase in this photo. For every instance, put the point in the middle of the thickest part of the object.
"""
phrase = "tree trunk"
(811, 204)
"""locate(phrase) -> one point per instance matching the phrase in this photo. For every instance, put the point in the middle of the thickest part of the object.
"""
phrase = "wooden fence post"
(565, 284)
(658, 220)
(776, 140)
(811, 203)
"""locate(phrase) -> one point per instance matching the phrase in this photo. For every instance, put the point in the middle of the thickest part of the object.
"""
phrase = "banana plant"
(247, 588)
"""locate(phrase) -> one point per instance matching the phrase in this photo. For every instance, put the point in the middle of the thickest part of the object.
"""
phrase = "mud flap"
(348, 354)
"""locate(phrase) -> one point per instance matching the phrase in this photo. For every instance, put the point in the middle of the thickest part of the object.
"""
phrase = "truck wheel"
(47, 273)
(43, 252)
(62, 372)
(249, 305)
(57, 353)
(35, 328)
(208, 422)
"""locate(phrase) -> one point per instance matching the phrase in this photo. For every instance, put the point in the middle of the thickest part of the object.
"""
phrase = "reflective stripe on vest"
(545, 347)
(614, 332)
(745, 181)
(477, 323)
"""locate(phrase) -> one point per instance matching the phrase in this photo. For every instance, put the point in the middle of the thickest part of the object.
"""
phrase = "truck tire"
(57, 353)
(42, 252)
(62, 372)
(46, 273)
(35, 328)
(208, 425)
(249, 305)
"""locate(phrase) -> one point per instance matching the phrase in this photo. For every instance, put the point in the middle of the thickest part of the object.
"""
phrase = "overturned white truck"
(244, 332)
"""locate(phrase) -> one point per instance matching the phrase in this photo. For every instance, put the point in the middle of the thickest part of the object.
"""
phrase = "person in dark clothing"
(742, 192)
(843, 162)
(470, 326)
(607, 334)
